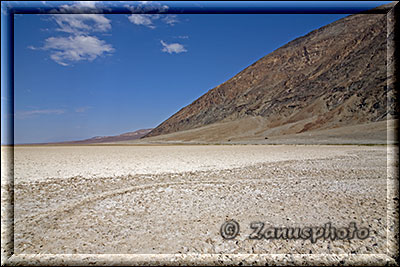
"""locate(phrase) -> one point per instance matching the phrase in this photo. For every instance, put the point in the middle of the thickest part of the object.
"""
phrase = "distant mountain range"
(335, 76)
(110, 139)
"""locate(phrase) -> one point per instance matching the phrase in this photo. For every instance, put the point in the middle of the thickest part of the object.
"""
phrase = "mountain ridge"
(333, 76)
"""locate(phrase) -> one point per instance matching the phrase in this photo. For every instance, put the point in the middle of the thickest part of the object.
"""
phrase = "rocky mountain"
(332, 77)
(116, 138)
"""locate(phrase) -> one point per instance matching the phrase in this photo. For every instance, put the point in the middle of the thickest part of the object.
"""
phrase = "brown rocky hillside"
(334, 76)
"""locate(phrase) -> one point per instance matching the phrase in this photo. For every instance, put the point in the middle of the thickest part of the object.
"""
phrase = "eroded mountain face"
(333, 76)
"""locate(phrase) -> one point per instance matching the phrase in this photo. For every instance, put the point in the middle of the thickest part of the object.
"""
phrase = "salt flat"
(37, 163)
(173, 199)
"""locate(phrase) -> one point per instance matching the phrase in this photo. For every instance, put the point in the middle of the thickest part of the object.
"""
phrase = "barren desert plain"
(152, 199)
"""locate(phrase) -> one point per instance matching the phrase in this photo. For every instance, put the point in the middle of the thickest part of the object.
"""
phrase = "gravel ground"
(174, 199)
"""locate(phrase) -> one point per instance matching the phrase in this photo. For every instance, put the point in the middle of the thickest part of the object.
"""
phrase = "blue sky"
(84, 75)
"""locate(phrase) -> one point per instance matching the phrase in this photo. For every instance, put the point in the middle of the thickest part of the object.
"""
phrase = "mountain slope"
(334, 76)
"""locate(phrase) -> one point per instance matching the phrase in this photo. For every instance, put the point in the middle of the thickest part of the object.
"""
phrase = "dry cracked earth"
(178, 204)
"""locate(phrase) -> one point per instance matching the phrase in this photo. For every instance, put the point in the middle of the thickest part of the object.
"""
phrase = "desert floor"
(174, 199)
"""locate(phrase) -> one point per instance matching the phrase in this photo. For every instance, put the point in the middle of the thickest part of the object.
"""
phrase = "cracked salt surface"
(165, 205)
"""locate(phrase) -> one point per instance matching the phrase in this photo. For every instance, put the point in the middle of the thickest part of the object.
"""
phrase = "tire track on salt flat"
(93, 198)
(67, 207)
(80, 203)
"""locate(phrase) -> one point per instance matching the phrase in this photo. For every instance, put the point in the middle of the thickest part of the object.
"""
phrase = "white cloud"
(90, 4)
(173, 48)
(80, 7)
(82, 23)
(29, 113)
(149, 19)
(143, 19)
(79, 45)
(146, 6)
(170, 19)
(139, 16)
(66, 50)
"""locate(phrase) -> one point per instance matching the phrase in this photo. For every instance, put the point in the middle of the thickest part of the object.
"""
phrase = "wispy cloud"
(81, 43)
(182, 37)
(67, 50)
(139, 16)
(90, 4)
(30, 113)
(148, 20)
(172, 48)
(146, 6)
(170, 19)
(82, 23)
(82, 7)
(82, 109)
(143, 19)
